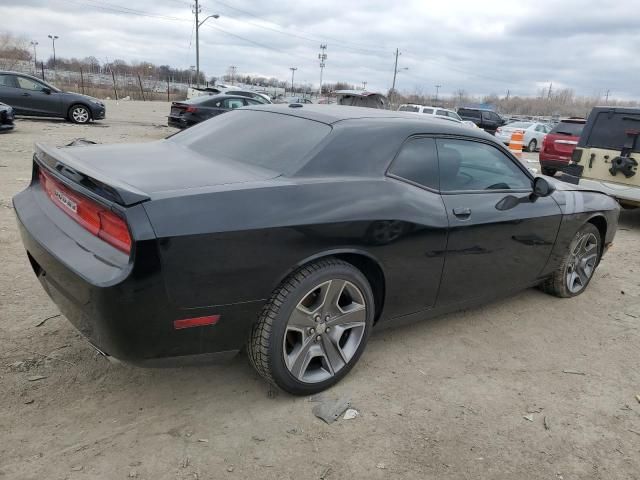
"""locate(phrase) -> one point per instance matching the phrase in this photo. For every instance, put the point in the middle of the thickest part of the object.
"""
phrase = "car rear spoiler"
(63, 164)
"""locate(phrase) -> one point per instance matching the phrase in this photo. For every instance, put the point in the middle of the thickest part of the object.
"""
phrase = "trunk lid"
(131, 173)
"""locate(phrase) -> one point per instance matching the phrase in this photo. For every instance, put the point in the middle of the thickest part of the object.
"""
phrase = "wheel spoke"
(300, 358)
(300, 319)
(355, 314)
(333, 354)
(331, 296)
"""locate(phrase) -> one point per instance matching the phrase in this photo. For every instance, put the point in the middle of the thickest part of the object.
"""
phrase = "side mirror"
(542, 187)
(46, 90)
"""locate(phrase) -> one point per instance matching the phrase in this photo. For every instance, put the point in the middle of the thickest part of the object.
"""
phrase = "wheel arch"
(363, 261)
(600, 222)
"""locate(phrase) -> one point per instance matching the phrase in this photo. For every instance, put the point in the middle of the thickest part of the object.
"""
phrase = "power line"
(334, 42)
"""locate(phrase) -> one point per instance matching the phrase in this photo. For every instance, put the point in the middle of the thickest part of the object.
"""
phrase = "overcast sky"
(480, 46)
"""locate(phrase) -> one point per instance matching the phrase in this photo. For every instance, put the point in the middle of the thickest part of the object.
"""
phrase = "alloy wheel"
(80, 115)
(582, 262)
(324, 331)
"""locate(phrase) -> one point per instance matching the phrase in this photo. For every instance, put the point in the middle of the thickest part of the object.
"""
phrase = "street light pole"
(53, 42)
(437, 90)
(197, 10)
(35, 55)
(322, 56)
(293, 71)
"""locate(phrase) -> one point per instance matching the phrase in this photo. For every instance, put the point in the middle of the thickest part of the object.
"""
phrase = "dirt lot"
(462, 396)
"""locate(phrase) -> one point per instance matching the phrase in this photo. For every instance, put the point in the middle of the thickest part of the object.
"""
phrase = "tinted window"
(201, 99)
(428, 110)
(442, 113)
(234, 103)
(243, 135)
(467, 165)
(28, 84)
(409, 108)
(568, 128)
(417, 162)
(469, 113)
(7, 81)
(610, 131)
(214, 102)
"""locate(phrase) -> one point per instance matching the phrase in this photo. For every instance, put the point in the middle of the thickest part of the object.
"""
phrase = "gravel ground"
(528, 387)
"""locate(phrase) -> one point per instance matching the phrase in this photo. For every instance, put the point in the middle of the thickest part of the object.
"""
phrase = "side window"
(233, 103)
(216, 103)
(252, 101)
(540, 128)
(417, 162)
(8, 81)
(469, 165)
(28, 84)
(428, 111)
(442, 113)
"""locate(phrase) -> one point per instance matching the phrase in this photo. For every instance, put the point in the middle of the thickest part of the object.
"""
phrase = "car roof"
(332, 114)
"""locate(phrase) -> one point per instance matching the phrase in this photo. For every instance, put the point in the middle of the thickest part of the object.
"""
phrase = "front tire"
(314, 327)
(579, 264)
(549, 171)
(79, 114)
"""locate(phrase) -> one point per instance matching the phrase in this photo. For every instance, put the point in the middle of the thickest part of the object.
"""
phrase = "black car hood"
(160, 166)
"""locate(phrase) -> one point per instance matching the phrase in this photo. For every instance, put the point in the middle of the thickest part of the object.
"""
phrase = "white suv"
(427, 110)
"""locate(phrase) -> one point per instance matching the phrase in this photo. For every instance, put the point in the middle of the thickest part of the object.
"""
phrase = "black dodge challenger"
(294, 231)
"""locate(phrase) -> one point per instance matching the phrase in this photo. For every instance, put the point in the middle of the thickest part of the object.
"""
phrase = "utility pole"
(549, 94)
(606, 97)
(35, 56)
(293, 71)
(322, 56)
(364, 85)
(197, 10)
(437, 90)
(508, 93)
(53, 41)
(395, 72)
(233, 69)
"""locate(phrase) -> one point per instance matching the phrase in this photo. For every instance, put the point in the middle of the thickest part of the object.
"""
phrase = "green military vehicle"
(608, 153)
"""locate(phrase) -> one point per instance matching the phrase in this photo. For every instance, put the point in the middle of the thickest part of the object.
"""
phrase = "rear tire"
(533, 144)
(549, 171)
(79, 114)
(314, 327)
(578, 266)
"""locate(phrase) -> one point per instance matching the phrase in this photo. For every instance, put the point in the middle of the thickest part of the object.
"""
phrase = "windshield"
(269, 140)
(409, 108)
(573, 129)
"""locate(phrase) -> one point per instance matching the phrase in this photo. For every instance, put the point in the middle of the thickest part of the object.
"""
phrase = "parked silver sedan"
(534, 133)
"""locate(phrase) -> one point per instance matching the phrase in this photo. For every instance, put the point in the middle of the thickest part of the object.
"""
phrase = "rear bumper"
(554, 161)
(177, 122)
(627, 194)
(123, 311)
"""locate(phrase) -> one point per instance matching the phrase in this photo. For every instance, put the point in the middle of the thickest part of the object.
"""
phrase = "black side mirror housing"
(46, 90)
(542, 187)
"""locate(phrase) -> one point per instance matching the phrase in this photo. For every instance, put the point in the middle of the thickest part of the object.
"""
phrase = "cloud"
(481, 47)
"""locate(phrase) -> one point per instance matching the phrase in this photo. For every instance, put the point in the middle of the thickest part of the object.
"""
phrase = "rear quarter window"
(610, 131)
(469, 113)
(274, 141)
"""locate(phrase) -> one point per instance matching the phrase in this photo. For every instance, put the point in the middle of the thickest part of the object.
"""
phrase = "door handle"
(462, 212)
(25, 94)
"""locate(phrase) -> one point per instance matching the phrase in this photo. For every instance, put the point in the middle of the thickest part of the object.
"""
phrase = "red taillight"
(95, 218)
(191, 109)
